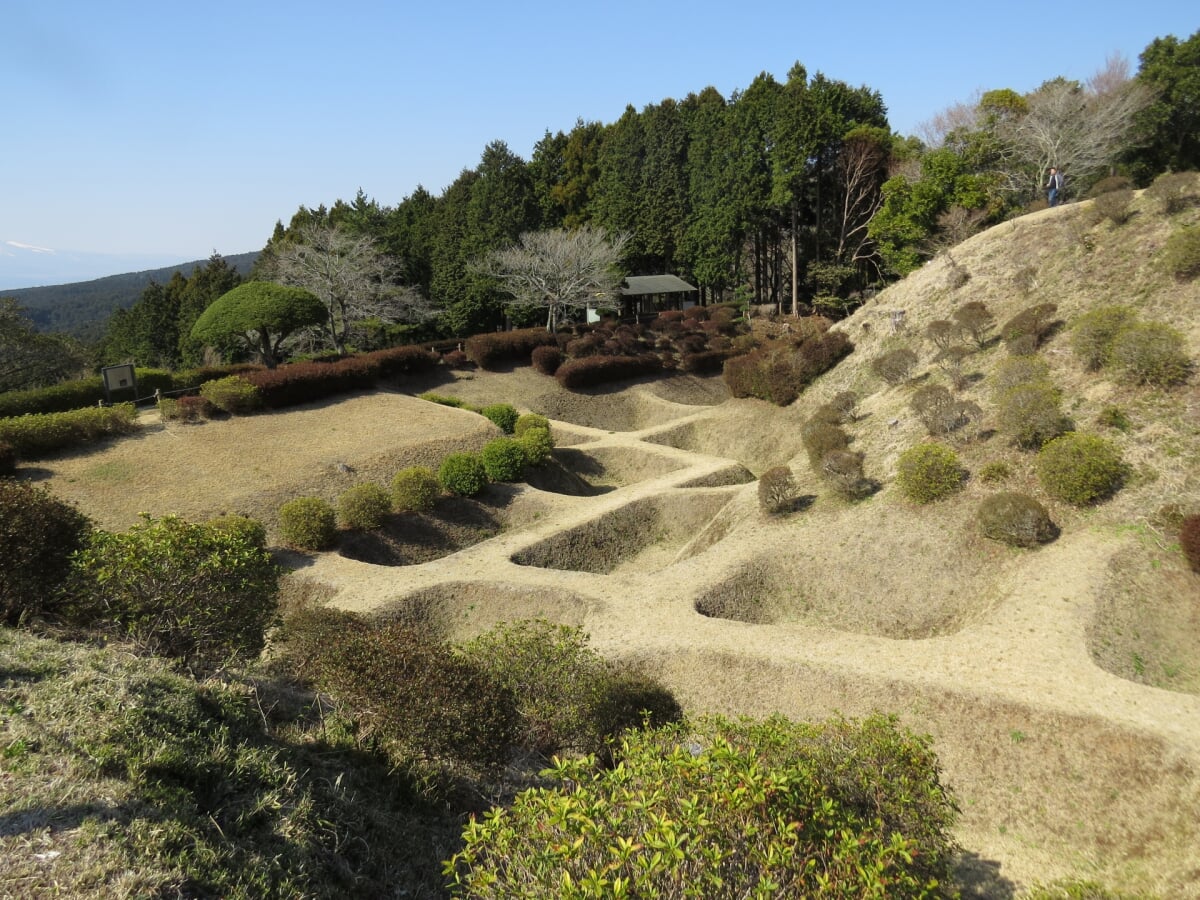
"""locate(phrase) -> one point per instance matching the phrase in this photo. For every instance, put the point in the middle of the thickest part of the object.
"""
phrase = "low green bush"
(414, 700)
(1181, 255)
(1015, 519)
(463, 474)
(35, 435)
(1031, 414)
(442, 399)
(776, 490)
(363, 507)
(1014, 370)
(537, 444)
(719, 809)
(568, 697)
(529, 420)
(504, 459)
(415, 489)
(251, 531)
(1080, 468)
(38, 535)
(308, 523)
(503, 415)
(1094, 332)
(200, 593)
(232, 394)
(1151, 353)
(1114, 417)
(994, 472)
(928, 472)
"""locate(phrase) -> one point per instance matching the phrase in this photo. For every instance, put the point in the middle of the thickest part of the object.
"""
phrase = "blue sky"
(180, 128)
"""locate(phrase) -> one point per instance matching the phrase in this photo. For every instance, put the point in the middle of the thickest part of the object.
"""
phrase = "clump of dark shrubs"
(1189, 541)
(1115, 205)
(1015, 519)
(846, 403)
(843, 471)
(974, 321)
(593, 370)
(496, 349)
(546, 359)
(821, 438)
(38, 535)
(1080, 468)
(779, 373)
(308, 523)
(776, 490)
(1029, 328)
(895, 366)
(940, 411)
(942, 333)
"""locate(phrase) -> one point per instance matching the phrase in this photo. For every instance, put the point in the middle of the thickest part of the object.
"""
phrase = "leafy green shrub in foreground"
(415, 489)
(463, 474)
(38, 535)
(199, 593)
(1080, 468)
(233, 394)
(568, 697)
(307, 523)
(363, 507)
(503, 415)
(529, 420)
(1015, 519)
(1031, 413)
(718, 809)
(504, 459)
(1181, 256)
(537, 444)
(1151, 353)
(928, 472)
(1093, 333)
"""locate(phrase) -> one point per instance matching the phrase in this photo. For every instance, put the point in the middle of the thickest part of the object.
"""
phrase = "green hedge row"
(35, 435)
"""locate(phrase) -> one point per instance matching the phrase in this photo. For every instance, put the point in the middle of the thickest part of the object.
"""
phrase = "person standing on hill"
(1054, 187)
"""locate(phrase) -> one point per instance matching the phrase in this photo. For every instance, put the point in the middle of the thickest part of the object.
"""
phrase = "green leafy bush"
(1114, 417)
(233, 394)
(463, 474)
(199, 593)
(1015, 519)
(442, 399)
(363, 507)
(928, 472)
(35, 435)
(537, 444)
(718, 809)
(529, 420)
(1189, 541)
(414, 700)
(776, 490)
(994, 472)
(1181, 255)
(1031, 414)
(1094, 332)
(1015, 370)
(569, 699)
(415, 489)
(504, 459)
(1151, 353)
(1080, 468)
(503, 415)
(895, 366)
(38, 535)
(251, 531)
(308, 523)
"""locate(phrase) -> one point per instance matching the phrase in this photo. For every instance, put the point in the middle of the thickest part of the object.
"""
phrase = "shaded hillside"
(82, 308)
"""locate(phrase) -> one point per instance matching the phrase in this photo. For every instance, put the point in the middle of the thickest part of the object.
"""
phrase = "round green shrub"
(1189, 541)
(1151, 353)
(307, 523)
(928, 472)
(1030, 414)
(233, 394)
(721, 809)
(1181, 255)
(1080, 468)
(1015, 519)
(1094, 332)
(776, 490)
(537, 444)
(504, 459)
(199, 593)
(415, 489)
(504, 415)
(252, 531)
(38, 535)
(463, 474)
(363, 507)
(530, 420)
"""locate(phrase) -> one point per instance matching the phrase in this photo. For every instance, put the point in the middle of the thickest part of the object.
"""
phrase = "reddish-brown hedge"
(546, 359)
(593, 370)
(496, 349)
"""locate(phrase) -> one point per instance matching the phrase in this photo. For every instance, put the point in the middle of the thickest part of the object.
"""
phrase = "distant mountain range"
(81, 308)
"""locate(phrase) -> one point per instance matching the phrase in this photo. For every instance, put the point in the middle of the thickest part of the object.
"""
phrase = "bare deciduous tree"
(559, 269)
(351, 276)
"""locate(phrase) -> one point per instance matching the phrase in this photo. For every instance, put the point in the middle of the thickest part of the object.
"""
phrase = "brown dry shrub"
(895, 366)
(776, 490)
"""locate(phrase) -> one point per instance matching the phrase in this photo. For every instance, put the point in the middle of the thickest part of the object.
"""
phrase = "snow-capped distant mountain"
(26, 265)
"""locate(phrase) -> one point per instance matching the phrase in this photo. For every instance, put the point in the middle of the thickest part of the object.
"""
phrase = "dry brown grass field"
(1061, 685)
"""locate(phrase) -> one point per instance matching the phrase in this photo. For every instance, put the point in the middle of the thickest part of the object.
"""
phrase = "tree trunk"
(795, 266)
